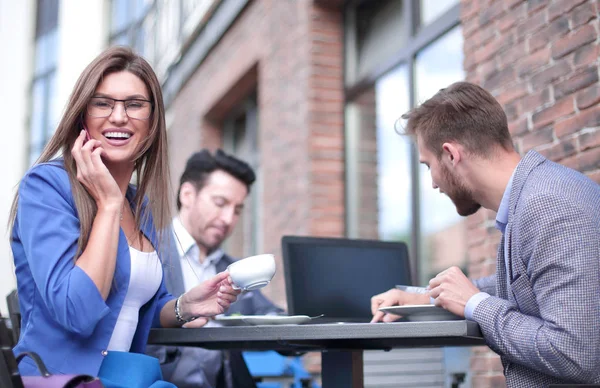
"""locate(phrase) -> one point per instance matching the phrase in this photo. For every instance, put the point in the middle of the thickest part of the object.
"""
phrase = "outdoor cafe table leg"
(342, 369)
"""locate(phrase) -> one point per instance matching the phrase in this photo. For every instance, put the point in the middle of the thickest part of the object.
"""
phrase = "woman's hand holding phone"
(93, 174)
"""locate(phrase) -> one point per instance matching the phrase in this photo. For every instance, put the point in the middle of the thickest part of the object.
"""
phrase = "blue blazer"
(63, 316)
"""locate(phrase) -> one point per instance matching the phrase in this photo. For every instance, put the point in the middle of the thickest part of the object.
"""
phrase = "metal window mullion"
(252, 137)
(416, 237)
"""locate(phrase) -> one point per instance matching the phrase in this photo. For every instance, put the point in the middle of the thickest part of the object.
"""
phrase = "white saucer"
(244, 320)
(421, 312)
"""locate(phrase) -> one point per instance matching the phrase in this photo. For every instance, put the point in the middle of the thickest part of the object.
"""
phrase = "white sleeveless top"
(144, 280)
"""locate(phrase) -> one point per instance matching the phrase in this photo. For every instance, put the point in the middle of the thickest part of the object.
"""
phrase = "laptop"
(338, 276)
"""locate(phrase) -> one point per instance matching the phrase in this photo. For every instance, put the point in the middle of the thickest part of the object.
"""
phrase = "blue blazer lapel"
(172, 264)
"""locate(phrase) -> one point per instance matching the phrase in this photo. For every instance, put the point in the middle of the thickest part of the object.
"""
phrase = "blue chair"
(283, 372)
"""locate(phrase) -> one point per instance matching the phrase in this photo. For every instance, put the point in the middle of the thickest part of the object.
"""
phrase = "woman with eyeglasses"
(85, 240)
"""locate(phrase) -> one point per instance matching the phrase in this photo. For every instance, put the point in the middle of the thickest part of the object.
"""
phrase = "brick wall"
(368, 225)
(540, 59)
(290, 52)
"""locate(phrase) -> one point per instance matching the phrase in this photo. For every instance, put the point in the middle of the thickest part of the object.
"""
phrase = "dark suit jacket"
(183, 366)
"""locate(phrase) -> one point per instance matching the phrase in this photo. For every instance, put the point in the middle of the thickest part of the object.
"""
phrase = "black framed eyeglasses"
(135, 108)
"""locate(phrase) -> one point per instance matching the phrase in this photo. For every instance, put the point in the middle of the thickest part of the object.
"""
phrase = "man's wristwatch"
(178, 312)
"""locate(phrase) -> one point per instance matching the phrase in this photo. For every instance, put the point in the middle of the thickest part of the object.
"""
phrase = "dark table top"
(331, 336)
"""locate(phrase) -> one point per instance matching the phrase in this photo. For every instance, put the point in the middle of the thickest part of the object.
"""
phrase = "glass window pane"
(139, 44)
(442, 229)
(120, 40)
(41, 62)
(432, 9)
(120, 14)
(53, 106)
(381, 30)
(38, 113)
(382, 160)
(46, 52)
(46, 17)
(240, 131)
(149, 31)
(34, 153)
(393, 157)
(139, 9)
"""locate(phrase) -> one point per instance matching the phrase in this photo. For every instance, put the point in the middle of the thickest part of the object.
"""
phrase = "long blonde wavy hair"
(151, 161)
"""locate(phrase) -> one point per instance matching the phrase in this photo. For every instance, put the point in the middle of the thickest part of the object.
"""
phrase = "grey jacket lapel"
(531, 160)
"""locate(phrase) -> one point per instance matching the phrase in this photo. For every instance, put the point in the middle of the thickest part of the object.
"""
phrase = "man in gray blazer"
(211, 196)
(541, 310)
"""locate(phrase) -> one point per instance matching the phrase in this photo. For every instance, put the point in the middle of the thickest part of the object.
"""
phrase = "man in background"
(210, 200)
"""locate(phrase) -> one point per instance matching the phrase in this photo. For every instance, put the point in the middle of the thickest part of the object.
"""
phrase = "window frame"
(421, 36)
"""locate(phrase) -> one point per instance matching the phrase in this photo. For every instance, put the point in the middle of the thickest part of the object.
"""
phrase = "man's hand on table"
(394, 297)
(451, 290)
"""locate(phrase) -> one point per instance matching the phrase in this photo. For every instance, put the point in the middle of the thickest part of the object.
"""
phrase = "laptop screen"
(337, 277)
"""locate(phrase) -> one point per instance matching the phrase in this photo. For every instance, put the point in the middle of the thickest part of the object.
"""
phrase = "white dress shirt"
(194, 272)
(144, 280)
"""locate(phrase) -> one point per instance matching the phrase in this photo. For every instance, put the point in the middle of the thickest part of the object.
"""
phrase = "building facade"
(310, 93)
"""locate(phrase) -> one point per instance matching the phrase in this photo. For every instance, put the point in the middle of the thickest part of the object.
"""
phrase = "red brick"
(512, 93)
(512, 110)
(585, 119)
(477, 236)
(469, 27)
(479, 350)
(537, 41)
(582, 14)
(487, 68)
(518, 127)
(534, 102)
(560, 109)
(559, 151)
(514, 3)
(578, 81)
(589, 140)
(594, 175)
(475, 270)
(569, 43)
(486, 364)
(555, 29)
(469, 63)
(468, 9)
(536, 5)
(562, 7)
(488, 381)
(499, 78)
(513, 54)
(487, 51)
(533, 62)
(586, 54)
(588, 97)
(482, 252)
(483, 35)
(532, 23)
(550, 74)
(511, 18)
(537, 138)
(491, 13)
(477, 219)
(588, 160)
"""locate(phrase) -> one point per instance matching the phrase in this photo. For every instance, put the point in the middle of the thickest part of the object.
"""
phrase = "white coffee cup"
(253, 272)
